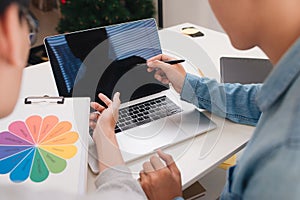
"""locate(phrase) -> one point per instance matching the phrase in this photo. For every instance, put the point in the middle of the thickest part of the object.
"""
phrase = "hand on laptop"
(159, 180)
(104, 136)
(108, 116)
(166, 73)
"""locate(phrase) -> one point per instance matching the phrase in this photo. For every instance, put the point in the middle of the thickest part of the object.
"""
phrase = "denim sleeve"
(178, 198)
(236, 102)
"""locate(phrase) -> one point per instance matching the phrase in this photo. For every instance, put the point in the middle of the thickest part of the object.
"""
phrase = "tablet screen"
(244, 70)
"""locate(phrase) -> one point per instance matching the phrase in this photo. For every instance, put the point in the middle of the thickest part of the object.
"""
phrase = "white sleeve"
(116, 183)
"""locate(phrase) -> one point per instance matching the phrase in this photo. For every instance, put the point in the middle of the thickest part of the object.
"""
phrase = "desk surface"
(195, 157)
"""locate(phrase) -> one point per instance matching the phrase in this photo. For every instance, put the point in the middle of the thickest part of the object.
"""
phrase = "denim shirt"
(270, 165)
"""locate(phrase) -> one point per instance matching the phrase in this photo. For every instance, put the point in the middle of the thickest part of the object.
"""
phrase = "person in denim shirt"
(18, 29)
(269, 166)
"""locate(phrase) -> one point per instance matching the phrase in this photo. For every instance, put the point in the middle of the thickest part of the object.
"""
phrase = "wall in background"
(194, 11)
(156, 8)
(174, 12)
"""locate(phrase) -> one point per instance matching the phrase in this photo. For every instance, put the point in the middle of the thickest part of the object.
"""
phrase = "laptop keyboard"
(145, 112)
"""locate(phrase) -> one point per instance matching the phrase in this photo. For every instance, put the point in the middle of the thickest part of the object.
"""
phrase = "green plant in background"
(85, 14)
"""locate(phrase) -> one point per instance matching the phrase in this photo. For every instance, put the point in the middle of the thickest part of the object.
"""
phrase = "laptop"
(244, 70)
(110, 59)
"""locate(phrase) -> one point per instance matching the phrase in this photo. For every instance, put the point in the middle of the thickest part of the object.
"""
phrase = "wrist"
(111, 136)
(109, 154)
(105, 134)
(181, 83)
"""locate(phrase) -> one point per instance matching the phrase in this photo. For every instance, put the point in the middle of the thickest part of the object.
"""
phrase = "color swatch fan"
(36, 147)
(46, 150)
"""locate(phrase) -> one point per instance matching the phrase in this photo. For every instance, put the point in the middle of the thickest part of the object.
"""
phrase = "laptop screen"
(106, 60)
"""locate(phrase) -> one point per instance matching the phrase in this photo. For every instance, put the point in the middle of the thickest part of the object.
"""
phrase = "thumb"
(116, 101)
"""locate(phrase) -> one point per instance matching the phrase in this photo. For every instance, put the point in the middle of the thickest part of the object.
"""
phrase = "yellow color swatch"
(64, 151)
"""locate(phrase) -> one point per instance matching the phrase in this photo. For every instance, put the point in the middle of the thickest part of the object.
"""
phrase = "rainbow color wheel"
(36, 147)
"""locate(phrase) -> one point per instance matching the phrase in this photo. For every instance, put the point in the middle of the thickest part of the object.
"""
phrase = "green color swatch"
(39, 171)
(54, 163)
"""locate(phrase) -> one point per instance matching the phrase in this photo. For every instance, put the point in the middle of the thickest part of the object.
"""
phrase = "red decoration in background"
(63, 1)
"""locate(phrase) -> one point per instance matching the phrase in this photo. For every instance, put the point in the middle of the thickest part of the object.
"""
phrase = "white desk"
(194, 157)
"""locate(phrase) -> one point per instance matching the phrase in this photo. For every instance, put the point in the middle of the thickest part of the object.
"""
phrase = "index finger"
(105, 99)
(166, 157)
(169, 161)
(160, 57)
(97, 106)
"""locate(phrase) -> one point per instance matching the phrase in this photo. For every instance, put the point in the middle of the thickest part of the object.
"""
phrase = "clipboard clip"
(44, 99)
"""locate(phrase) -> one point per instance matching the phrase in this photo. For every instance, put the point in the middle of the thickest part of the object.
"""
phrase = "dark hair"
(5, 3)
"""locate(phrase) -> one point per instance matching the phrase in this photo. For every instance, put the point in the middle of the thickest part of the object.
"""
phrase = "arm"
(115, 178)
(104, 136)
(233, 101)
(118, 183)
(127, 190)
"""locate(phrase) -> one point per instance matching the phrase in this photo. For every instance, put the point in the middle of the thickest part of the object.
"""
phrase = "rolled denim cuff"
(188, 92)
(178, 198)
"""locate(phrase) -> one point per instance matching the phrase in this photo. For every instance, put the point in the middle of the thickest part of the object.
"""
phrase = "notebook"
(110, 59)
(43, 145)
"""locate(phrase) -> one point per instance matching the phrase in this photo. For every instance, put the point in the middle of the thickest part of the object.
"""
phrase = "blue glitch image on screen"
(106, 60)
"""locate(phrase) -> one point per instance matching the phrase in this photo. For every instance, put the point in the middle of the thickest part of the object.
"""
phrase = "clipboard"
(44, 144)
